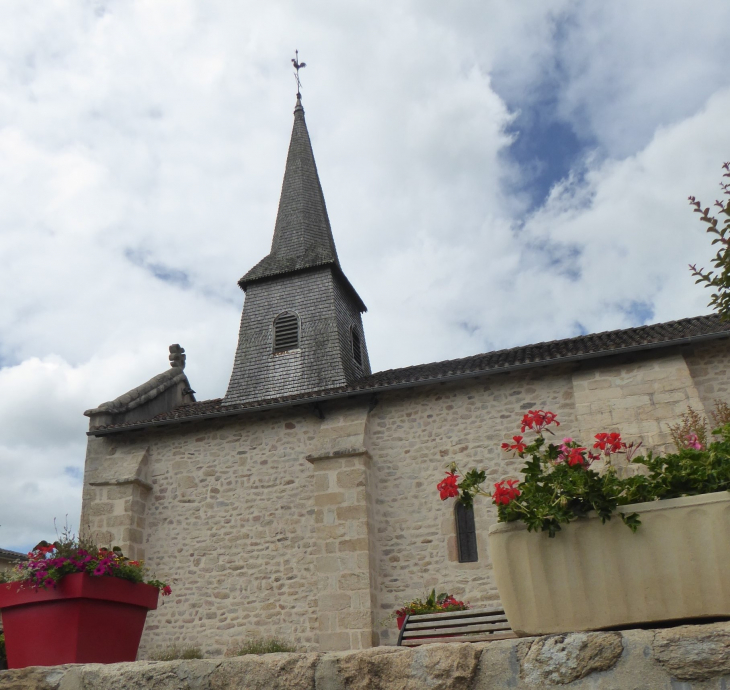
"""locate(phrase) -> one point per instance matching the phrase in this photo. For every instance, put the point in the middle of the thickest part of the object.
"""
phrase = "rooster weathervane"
(297, 66)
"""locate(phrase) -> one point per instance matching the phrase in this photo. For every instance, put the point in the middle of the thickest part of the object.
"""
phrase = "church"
(302, 504)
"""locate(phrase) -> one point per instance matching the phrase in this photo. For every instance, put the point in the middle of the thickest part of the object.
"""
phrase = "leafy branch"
(719, 278)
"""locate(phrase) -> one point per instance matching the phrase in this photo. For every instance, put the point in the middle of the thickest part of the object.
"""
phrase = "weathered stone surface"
(32, 679)
(562, 659)
(694, 652)
(266, 672)
(684, 658)
(437, 667)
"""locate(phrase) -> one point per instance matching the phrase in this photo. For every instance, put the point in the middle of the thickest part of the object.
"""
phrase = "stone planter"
(83, 620)
(593, 576)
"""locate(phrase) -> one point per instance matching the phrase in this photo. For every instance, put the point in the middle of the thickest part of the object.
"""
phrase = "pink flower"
(691, 441)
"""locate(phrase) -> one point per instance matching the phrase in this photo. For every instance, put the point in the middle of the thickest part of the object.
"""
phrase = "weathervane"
(297, 66)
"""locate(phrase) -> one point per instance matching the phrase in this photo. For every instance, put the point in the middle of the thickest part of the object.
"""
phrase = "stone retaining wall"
(681, 658)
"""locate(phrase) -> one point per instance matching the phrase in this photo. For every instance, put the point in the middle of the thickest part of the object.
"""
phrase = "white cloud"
(142, 147)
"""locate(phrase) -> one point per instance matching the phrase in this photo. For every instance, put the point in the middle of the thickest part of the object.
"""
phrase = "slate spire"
(301, 327)
(302, 234)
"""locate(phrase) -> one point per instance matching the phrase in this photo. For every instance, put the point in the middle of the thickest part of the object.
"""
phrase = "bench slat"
(457, 614)
(458, 621)
(449, 631)
(462, 638)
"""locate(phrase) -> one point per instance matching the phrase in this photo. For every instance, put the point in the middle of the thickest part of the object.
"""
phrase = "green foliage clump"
(719, 279)
(554, 493)
(262, 645)
(174, 653)
(3, 657)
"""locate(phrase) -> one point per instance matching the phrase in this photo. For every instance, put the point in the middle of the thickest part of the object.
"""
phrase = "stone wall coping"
(687, 657)
(126, 480)
(344, 453)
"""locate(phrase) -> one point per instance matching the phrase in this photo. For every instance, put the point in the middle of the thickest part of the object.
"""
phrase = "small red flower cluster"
(505, 491)
(449, 487)
(519, 445)
(609, 443)
(537, 420)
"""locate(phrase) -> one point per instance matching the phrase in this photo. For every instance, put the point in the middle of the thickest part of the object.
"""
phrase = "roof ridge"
(600, 344)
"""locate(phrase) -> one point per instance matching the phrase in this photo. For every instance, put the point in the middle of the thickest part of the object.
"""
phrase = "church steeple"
(302, 234)
(301, 329)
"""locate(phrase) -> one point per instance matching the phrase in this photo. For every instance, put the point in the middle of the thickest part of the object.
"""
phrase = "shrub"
(3, 658)
(174, 653)
(262, 645)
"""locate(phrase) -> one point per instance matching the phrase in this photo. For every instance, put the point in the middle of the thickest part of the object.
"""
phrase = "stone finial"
(177, 356)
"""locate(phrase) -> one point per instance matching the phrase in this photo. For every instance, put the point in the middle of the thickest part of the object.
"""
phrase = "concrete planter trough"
(594, 576)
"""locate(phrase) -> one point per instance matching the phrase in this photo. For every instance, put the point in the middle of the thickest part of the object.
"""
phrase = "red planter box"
(83, 620)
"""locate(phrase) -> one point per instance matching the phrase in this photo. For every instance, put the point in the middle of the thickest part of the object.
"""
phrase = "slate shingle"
(538, 354)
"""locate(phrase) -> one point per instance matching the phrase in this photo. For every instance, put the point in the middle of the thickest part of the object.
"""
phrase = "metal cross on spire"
(297, 66)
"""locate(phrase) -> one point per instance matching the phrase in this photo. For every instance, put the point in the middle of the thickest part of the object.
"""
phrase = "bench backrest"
(473, 625)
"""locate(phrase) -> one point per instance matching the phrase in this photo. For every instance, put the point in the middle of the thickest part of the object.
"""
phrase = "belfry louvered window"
(356, 347)
(286, 332)
(466, 534)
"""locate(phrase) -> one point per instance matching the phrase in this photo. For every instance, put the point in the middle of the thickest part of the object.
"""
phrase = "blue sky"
(496, 173)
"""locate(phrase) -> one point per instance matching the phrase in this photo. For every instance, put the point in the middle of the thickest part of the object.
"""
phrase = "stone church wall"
(282, 523)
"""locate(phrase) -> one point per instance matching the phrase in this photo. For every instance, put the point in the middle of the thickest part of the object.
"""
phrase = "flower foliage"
(560, 483)
(719, 279)
(433, 603)
(48, 564)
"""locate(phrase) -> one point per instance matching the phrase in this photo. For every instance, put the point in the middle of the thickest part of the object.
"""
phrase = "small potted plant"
(432, 603)
(562, 563)
(72, 602)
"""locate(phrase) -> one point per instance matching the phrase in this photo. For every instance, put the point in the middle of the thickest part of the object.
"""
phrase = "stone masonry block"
(353, 620)
(334, 642)
(356, 512)
(321, 482)
(328, 564)
(132, 535)
(360, 544)
(114, 493)
(334, 601)
(353, 581)
(329, 499)
(351, 479)
(101, 509)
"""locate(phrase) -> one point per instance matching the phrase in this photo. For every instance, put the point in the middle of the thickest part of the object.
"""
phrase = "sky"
(496, 174)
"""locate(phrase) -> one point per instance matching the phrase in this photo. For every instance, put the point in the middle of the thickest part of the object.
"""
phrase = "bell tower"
(301, 328)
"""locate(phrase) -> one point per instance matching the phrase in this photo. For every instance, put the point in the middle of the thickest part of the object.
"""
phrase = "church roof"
(302, 233)
(595, 345)
(8, 555)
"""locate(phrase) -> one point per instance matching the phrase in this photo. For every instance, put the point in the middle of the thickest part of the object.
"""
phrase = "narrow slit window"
(466, 534)
(286, 332)
(356, 347)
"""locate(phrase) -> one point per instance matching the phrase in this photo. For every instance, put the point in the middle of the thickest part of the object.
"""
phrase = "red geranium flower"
(609, 443)
(166, 591)
(518, 445)
(537, 420)
(576, 457)
(448, 487)
(505, 491)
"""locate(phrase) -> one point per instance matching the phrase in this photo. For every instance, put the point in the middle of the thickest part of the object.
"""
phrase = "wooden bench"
(473, 625)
